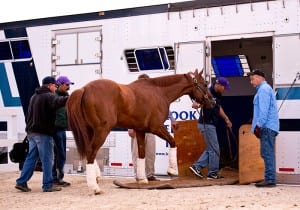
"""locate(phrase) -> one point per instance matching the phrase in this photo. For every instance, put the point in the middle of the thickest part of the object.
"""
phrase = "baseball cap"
(257, 72)
(48, 80)
(224, 82)
(64, 80)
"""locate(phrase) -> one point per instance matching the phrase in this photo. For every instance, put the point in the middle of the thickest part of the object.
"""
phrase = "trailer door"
(189, 56)
(287, 85)
(77, 54)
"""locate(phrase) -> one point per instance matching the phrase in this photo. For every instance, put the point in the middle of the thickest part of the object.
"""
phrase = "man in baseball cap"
(64, 80)
(257, 72)
(48, 80)
(61, 125)
(224, 82)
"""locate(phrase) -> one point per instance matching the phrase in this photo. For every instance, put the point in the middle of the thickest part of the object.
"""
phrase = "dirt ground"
(78, 196)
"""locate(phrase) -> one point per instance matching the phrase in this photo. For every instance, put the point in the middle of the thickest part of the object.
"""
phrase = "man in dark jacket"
(40, 128)
(60, 139)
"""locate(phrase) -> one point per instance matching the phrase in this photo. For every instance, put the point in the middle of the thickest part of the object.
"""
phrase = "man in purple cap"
(207, 123)
(61, 124)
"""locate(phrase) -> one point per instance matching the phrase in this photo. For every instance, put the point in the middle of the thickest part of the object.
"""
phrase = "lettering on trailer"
(7, 98)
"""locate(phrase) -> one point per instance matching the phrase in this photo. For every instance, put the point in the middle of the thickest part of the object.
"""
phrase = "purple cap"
(224, 82)
(64, 80)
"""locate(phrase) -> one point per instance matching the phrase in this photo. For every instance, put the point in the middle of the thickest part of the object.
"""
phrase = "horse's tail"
(77, 121)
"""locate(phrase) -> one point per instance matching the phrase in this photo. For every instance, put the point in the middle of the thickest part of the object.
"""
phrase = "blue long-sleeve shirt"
(265, 108)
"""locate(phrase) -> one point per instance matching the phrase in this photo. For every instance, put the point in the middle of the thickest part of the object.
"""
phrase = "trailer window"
(230, 66)
(5, 52)
(15, 50)
(160, 58)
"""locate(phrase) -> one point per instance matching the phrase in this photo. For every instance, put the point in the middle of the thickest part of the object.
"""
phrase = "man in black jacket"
(40, 128)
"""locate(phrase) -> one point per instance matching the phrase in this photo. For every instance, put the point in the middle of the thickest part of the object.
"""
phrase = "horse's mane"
(161, 81)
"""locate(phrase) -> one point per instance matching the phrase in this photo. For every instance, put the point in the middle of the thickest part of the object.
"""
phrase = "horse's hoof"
(172, 172)
(98, 179)
(98, 192)
(142, 181)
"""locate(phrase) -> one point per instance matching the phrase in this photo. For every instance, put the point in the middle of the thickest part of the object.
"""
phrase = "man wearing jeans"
(207, 123)
(265, 124)
(40, 129)
(60, 139)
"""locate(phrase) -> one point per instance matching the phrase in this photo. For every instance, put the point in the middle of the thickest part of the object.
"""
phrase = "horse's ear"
(201, 72)
(196, 72)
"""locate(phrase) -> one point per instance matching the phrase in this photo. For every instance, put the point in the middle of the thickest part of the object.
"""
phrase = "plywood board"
(251, 165)
(190, 145)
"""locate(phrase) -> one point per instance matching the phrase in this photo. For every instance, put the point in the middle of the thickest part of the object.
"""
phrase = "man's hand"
(257, 132)
(174, 124)
(195, 105)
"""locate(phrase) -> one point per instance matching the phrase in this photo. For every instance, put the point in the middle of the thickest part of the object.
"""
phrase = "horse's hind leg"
(140, 162)
(92, 168)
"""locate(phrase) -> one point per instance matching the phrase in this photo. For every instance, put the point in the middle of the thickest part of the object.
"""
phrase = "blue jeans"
(267, 152)
(40, 146)
(211, 155)
(60, 141)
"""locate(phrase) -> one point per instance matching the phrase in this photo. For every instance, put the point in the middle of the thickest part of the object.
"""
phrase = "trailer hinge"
(98, 38)
(207, 51)
(55, 57)
(55, 42)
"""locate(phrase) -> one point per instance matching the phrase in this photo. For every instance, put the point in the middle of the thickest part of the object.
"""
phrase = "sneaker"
(23, 187)
(196, 171)
(53, 189)
(62, 183)
(214, 176)
(152, 178)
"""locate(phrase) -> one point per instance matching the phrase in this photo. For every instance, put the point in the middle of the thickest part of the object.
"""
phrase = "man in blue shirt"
(265, 124)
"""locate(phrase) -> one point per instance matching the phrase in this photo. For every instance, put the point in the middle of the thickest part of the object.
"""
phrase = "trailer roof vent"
(230, 66)
(145, 59)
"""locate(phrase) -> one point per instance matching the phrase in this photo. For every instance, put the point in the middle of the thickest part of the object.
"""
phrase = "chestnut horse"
(143, 105)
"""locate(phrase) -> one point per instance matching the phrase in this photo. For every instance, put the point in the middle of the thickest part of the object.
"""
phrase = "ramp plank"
(251, 165)
(190, 145)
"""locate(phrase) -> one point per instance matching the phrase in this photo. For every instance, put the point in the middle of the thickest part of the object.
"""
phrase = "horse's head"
(200, 91)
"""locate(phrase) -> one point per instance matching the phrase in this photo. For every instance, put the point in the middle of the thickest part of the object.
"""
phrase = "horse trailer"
(224, 38)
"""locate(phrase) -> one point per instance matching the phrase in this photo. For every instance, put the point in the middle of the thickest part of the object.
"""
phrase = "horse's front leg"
(173, 167)
(140, 162)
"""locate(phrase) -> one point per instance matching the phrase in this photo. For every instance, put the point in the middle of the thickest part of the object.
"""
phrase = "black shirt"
(211, 115)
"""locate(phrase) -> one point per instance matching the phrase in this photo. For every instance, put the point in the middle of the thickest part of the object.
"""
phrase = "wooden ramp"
(230, 177)
(251, 165)
(190, 145)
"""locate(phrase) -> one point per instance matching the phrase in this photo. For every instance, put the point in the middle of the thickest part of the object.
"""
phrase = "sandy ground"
(78, 196)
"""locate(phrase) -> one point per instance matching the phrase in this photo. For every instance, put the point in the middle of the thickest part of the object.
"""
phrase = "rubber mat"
(230, 177)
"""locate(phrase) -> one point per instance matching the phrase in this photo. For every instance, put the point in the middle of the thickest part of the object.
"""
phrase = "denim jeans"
(211, 155)
(40, 146)
(267, 152)
(60, 141)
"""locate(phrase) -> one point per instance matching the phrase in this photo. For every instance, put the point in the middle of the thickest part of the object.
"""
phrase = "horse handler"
(40, 128)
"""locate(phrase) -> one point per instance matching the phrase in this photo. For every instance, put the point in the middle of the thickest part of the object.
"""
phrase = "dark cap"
(224, 82)
(64, 80)
(257, 72)
(49, 80)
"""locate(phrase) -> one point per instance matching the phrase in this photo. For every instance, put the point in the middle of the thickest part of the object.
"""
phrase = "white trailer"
(225, 38)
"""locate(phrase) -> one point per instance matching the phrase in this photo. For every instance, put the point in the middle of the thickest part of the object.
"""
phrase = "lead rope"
(296, 78)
